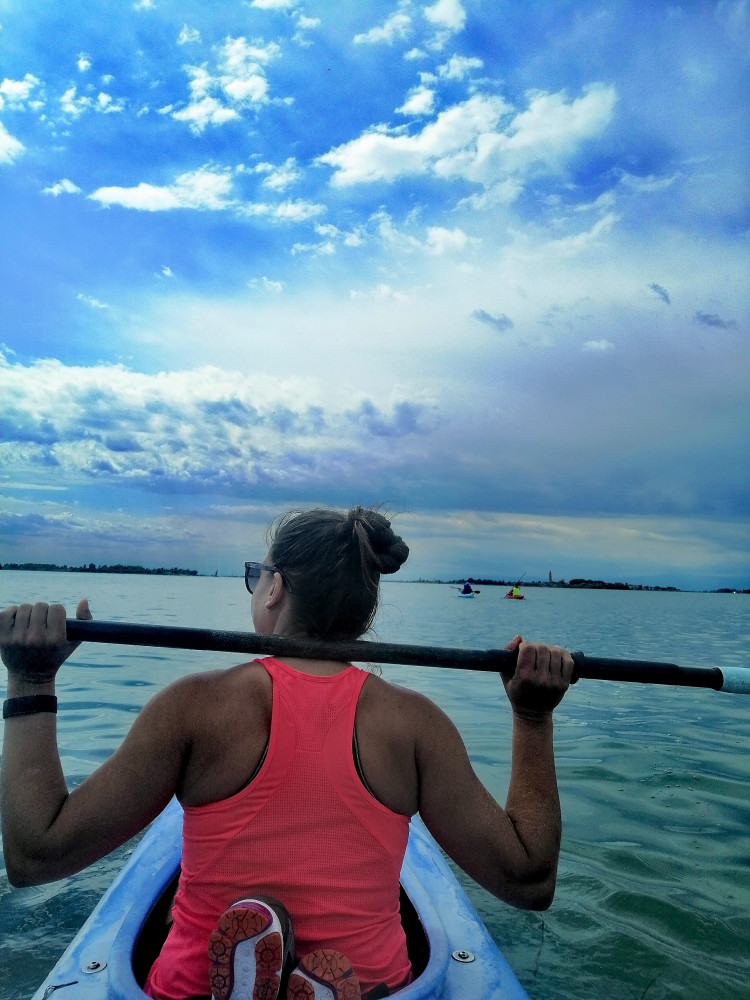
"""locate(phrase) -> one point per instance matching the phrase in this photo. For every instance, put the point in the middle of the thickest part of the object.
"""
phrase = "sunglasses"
(253, 571)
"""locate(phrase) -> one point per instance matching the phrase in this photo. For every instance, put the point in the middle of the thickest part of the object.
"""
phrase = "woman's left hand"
(33, 639)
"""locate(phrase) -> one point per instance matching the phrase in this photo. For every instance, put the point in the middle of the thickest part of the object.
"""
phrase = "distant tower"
(550, 576)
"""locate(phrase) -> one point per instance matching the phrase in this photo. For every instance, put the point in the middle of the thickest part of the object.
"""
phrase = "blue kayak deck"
(464, 962)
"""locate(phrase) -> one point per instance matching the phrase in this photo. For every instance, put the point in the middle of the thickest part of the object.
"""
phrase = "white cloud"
(547, 133)
(330, 236)
(382, 155)
(92, 302)
(420, 101)
(62, 187)
(83, 62)
(285, 211)
(204, 428)
(296, 211)
(392, 236)
(447, 14)
(207, 111)
(307, 23)
(273, 4)
(381, 292)
(604, 202)
(353, 239)
(238, 83)
(206, 189)
(441, 240)
(396, 27)
(465, 142)
(17, 92)
(270, 286)
(438, 241)
(281, 177)
(243, 78)
(734, 16)
(459, 67)
(10, 147)
(104, 103)
(647, 184)
(570, 246)
(107, 105)
(188, 36)
(449, 17)
(73, 105)
(323, 249)
(598, 345)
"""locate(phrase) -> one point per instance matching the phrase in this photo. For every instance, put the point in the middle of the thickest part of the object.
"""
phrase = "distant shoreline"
(578, 583)
(91, 568)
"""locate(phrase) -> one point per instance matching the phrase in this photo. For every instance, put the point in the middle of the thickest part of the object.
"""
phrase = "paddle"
(736, 680)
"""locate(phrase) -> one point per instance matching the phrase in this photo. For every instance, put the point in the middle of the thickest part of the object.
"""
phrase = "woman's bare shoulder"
(401, 701)
(206, 686)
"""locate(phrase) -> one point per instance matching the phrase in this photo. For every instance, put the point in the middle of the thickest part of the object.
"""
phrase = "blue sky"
(484, 261)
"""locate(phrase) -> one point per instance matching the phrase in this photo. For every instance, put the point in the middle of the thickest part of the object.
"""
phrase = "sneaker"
(323, 975)
(248, 950)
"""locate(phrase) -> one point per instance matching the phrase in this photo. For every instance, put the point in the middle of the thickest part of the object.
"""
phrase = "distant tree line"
(601, 585)
(578, 583)
(92, 568)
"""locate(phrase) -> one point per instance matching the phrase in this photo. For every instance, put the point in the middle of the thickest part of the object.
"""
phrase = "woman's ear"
(276, 592)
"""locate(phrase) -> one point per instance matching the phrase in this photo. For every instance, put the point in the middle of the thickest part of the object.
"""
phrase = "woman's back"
(306, 826)
(229, 716)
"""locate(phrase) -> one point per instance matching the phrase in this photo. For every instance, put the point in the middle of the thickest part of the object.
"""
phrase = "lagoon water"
(653, 897)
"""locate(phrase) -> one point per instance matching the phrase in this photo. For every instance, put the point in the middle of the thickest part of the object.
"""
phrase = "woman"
(297, 781)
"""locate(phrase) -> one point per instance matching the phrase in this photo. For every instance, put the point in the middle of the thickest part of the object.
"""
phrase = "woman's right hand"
(540, 680)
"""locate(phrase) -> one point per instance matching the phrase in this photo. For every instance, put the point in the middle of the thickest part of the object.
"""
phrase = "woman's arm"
(511, 852)
(49, 833)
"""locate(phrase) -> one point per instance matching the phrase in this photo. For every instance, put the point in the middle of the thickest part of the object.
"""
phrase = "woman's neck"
(319, 668)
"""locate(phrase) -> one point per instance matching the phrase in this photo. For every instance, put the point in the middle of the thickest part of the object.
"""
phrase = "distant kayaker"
(298, 780)
(467, 588)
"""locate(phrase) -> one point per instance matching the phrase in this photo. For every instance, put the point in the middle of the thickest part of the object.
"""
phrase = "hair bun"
(391, 559)
(389, 550)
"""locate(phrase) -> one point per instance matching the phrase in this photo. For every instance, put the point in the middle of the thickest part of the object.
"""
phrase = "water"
(653, 896)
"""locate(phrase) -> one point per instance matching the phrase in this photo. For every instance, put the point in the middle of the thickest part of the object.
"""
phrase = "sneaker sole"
(323, 975)
(245, 954)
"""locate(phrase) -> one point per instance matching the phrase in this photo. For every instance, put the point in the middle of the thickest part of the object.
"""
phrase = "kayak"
(452, 953)
(460, 594)
(514, 597)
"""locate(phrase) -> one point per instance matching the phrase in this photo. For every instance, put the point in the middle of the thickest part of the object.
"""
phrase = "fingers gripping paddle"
(735, 680)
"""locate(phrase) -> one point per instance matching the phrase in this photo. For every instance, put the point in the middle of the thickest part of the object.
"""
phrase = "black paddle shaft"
(360, 651)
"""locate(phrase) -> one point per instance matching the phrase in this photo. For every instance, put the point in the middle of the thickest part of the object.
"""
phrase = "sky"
(482, 261)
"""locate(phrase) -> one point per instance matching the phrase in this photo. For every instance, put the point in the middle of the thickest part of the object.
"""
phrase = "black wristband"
(29, 705)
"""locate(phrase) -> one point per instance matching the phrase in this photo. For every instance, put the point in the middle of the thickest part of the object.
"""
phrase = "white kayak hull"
(460, 960)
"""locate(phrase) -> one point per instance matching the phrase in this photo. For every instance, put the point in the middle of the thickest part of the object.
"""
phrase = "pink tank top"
(306, 831)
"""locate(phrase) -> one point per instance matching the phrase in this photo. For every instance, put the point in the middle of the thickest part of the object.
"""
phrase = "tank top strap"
(312, 704)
